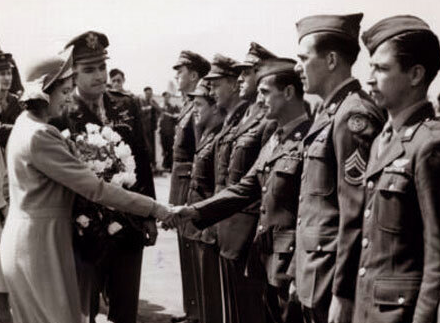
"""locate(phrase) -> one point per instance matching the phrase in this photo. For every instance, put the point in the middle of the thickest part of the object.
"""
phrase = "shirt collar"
(398, 121)
(287, 129)
(330, 98)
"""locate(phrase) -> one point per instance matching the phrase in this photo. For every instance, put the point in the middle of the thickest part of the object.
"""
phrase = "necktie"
(275, 140)
(385, 138)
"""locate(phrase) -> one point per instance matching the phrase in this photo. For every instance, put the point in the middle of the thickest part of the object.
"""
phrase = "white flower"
(99, 166)
(106, 132)
(83, 221)
(79, 138)
(115, 137)
(96, 140)
(91, 165)
(92, 128)
(113, 228)
(118, 179)
(129, 163)
(65, 133)
(129, 179)
(108, 162)
(122, 150)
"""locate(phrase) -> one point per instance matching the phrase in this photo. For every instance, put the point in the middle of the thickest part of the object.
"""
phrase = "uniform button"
(286, 168)
(305, 154)
(264, 189)
(367, 213)
(370, 185)
(267, 169)
(262, 209)
(300, 198)
(401, 300)
(365, 242)
(319, 248)
(291, 248)
(362, 272)
(193, 302)
(187, 245)
(189, 172)
(391, 187)
(260, 228)
(298, 221)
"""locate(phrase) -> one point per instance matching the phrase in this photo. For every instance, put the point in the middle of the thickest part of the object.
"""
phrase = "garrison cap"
(393, 26)
(255, 55)
(222, 66)
(5, 61)
(274, 66)
(202, 89)
(193, 61)
(347, 25)
(89, 47)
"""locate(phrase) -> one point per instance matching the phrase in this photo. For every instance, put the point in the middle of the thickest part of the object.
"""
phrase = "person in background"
(336, 151)
(117, 81)
(150, 112)
(167, 125)
(399, 268)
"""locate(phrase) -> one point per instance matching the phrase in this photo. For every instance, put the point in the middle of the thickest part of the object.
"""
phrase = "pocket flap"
(284, 241)
(400, 291)
(288, 166)
(318, 150)
(183, 169)
(391, 182)
(316, 242)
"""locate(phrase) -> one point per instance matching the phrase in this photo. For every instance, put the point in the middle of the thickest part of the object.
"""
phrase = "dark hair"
(36, 105)
(54, 85)
(115, 72)
(147, 88)
(418, 47)
(165, 93)
(346, 47)
(289, 78)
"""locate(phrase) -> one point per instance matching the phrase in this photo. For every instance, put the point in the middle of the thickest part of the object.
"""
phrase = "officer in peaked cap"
(190, 68)
(399, 268)
(336, 151)
(93, 103)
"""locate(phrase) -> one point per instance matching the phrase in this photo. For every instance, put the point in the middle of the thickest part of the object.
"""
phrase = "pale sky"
(146, 36)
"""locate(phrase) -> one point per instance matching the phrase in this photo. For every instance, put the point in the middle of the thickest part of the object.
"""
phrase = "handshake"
(174, 216)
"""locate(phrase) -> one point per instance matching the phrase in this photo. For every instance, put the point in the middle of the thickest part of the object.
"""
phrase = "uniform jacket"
(399, 271)
(237, 148)
(183, 153)
(122, 113)
(167, 121)
(202, 184)
(336, 151)
(274, 179)
(7, 118)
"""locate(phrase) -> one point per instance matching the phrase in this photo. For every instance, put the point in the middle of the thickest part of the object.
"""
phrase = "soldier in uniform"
(399, 270)
(190, 68)
(9, 111)
(336, 151)
(120, 268)
(244, 132)
(167, 125)
(208, 119)
(274, 178)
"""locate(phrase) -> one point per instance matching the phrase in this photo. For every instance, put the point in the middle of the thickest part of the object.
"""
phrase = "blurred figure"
(438, 104)
(117, 81)
(150, 111)
(167, 124)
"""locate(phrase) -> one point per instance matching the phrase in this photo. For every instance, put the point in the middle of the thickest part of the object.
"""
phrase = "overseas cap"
(275, 66)
(89, 47)
(194, 61)
(255, 55)
(222, 66)
(390, 27)
(348, 25)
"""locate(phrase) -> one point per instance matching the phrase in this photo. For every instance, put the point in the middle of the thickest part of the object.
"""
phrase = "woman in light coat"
(44, 176)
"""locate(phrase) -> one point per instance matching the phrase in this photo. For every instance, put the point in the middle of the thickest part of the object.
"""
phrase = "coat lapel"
(253, 120)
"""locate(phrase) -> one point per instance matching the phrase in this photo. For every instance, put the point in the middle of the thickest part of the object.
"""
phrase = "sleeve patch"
(354, 168)
(357, 123)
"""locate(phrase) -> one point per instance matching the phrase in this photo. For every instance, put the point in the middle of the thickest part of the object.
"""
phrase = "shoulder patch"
(354, 168)
(357, 123)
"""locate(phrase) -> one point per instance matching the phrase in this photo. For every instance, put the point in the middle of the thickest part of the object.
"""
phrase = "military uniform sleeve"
(51, 156)
(354, 132)
(228, 201)
(427, 181)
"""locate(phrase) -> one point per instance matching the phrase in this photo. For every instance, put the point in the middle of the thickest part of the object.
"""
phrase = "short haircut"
(346, 47)
(282, 80)
(418, 47)
(165, 93)
(115, 72)
(148, 88)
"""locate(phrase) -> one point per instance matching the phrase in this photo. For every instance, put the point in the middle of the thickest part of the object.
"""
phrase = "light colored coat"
(36, 246)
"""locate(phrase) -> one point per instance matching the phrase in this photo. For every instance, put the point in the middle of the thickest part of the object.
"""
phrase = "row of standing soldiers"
(330, 215)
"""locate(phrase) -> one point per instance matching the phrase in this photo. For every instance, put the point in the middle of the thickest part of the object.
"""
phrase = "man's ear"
(194, 76)
(417, 74)
(289, 92)
(332, 59)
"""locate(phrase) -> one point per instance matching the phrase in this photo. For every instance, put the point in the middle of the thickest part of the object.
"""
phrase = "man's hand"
(341, 310)
(150, 231)
(186, 212)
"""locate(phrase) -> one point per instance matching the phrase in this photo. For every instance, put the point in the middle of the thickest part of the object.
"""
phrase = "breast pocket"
(320, 170)
(393, 202)
(284, 174)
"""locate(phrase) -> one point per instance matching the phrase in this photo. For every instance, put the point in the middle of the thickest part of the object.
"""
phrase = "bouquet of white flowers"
(104, 152)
